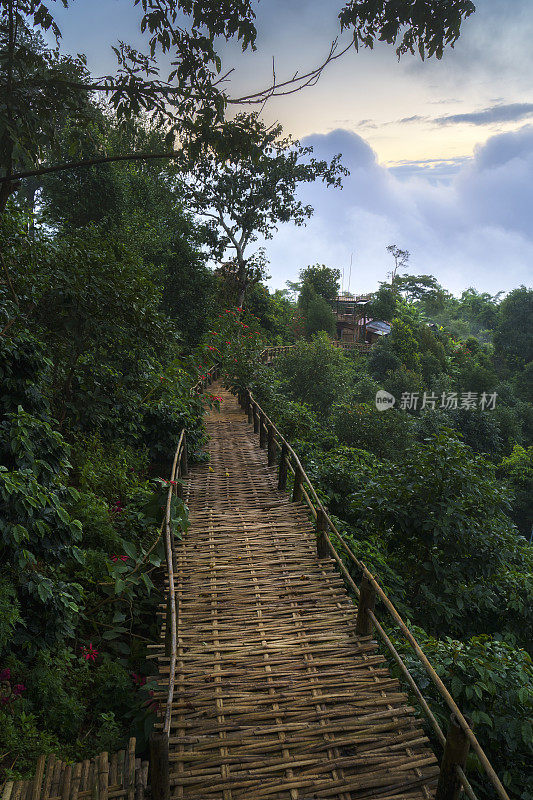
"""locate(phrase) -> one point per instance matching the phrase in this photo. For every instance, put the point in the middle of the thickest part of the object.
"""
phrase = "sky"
(440, 152)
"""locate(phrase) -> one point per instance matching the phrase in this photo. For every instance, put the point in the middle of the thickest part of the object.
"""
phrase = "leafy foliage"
(493, 685)
(324, 280)
(332, 373)
(424, 25)
(243, 179)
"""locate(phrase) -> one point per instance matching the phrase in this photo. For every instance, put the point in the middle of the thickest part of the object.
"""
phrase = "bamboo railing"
(159, 740)
(159, 752)
(460, 735)
(269, 353)
(116, 776)
(361, 347)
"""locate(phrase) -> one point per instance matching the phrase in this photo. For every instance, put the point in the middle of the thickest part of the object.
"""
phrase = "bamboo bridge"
(271, 682)
(276, 695)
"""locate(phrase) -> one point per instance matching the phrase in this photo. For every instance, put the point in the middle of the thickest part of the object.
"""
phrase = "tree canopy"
(324, 280)
(189, 97)
(243, 180)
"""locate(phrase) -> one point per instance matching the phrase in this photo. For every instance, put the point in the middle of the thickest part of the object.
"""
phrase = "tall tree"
(324, 280)
(513, 338)
(401, 260)
(243, 180)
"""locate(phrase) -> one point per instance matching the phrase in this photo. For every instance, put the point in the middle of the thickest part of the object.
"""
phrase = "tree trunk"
(6, 190)
(242, 278)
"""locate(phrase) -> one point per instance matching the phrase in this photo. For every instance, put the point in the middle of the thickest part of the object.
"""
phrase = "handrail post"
(455, 753)
(322, 549)
(159, 765)
(249, 408)
(262, 431)
(283, 467)
(168, 629)
(297, 489)
(271, 446)
(184, 458)
(179, 483)
(367, 602)
(256, 417)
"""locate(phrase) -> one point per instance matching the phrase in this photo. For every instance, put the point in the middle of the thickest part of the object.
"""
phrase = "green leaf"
(130, 550)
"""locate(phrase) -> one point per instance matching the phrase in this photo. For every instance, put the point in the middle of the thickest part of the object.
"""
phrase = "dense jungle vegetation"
(110, 308)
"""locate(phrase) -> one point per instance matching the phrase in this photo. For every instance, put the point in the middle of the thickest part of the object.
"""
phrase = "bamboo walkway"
(275, 695)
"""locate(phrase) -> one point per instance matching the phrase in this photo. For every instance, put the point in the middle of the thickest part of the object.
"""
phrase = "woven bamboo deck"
(276, 697)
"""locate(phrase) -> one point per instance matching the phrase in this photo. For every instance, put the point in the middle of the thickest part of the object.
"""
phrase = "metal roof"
(381, 328)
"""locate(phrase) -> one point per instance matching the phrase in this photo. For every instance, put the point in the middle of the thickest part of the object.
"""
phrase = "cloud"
(414, 118)
(432, 169)
(471, 227)
(510, 112)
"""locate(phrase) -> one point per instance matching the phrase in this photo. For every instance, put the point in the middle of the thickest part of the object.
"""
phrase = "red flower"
(89, 653)
(18, 688)
(5, 675)
(119, 558)
(138, 680)
(152, 704)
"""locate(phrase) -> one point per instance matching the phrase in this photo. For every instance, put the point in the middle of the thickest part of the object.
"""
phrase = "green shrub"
(386, 434)
(492, 683)
(332, 374)
(9, 611)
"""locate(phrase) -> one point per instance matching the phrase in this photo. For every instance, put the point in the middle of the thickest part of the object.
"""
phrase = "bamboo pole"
(67, 776)
(76, 779)
(159, 766)
(48, 777)
(130, 782)
(367, 602)
(297, 493)
(455, 754)
(283, 468)
(322, 548)
(262, 431)
(6, 791)
(271, 446)
(184, 457)
(37, 781)
(103, 775)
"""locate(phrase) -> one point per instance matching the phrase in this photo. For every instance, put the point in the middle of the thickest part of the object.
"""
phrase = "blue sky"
(440, 152)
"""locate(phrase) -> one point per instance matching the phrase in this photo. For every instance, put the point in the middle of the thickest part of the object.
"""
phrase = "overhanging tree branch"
(89, 162)
(294, 84)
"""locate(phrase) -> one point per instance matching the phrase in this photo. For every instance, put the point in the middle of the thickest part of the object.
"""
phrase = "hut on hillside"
(351, 317)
